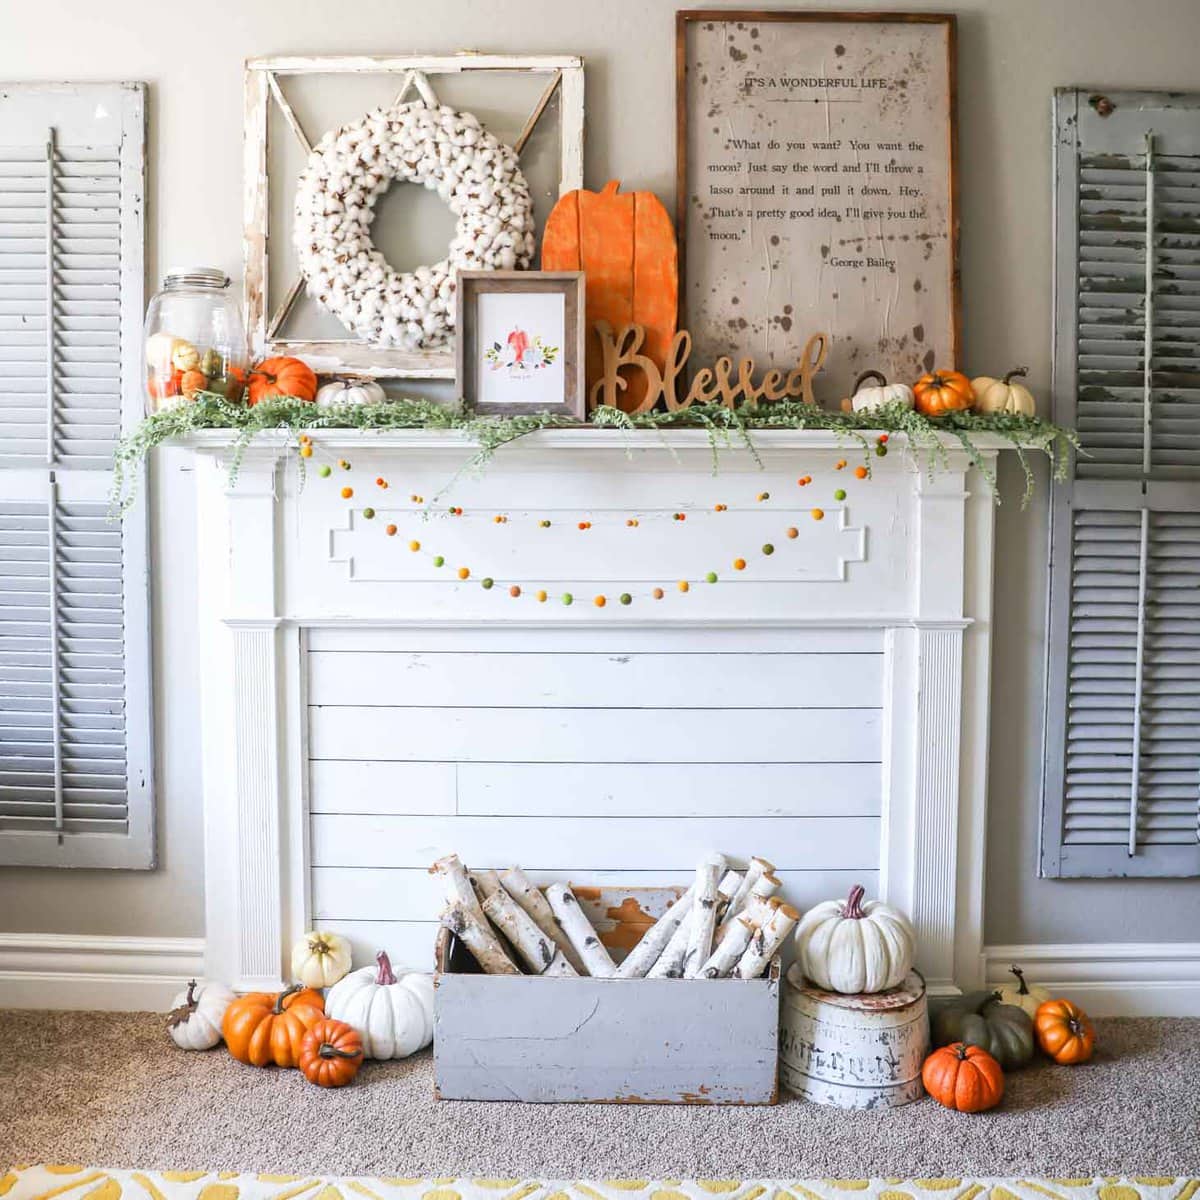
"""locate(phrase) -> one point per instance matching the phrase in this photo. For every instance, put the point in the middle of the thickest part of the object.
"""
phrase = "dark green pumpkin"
(979, 1019)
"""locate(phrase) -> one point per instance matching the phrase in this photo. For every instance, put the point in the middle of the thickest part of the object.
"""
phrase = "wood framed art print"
(816, 188)
(520, 343)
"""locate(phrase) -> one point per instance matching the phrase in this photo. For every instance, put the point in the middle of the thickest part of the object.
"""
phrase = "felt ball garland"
(740, 563)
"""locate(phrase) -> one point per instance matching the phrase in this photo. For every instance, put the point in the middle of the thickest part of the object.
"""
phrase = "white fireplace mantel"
(329, 773)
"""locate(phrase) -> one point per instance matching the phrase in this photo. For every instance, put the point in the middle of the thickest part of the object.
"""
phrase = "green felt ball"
(711, 577)
(626, 598)
(486, 584)
(325, 471)
(881, 451)
(369, 513)
(567, 598)
(438, 561)
(768, 549)
(840, 494)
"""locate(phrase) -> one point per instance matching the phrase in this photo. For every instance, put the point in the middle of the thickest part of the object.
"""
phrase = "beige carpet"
(110, 1089)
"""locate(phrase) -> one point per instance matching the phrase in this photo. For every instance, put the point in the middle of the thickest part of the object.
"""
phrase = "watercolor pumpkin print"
(521, 354)
(520, 339)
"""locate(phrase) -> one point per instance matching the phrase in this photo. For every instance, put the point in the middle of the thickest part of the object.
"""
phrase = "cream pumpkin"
(855, 947)
(350, 390)
(392, 1014)
(319, 960)
(194, 1022)
(1003, 395)
(1024, 995)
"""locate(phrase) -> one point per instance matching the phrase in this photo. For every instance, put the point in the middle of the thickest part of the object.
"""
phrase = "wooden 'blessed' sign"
(719, 384)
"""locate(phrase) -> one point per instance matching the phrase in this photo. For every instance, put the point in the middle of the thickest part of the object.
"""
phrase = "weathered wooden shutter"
(1122, 774)
(75, 708)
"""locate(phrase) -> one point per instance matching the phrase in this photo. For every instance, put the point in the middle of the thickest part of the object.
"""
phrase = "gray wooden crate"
(634, 1041)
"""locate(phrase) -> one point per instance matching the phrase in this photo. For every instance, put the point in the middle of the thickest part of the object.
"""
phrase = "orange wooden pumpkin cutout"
(625, 244)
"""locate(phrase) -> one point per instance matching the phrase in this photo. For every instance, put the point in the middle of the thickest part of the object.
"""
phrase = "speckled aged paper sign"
(815, 189)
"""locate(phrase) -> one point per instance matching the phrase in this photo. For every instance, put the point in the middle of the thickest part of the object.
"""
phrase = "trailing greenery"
(725, 428)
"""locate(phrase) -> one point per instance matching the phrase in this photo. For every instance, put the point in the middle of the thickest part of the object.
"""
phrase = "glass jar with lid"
(194, 341)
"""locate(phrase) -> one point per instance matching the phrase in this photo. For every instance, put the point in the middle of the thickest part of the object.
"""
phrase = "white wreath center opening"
(350, 168)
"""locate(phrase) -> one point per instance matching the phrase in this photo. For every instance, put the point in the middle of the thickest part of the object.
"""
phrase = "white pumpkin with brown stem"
(319, 960)
(854, 947)
(392, 1014)
(1003, 395)
(194, 1021)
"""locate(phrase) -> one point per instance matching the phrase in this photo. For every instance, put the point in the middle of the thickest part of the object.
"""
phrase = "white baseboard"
(52, 970)
(1109, 979)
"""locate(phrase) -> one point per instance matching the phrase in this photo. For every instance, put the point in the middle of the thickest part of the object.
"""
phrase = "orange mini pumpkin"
(625, 243)
(330, 1054)
(1064, 1032)
(193, 382)
(964, 1078)
(260, 1028)
(942, 392)
(282, 376)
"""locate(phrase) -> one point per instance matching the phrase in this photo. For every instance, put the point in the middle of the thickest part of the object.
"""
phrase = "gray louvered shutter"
(76, 777)
(1122, 774)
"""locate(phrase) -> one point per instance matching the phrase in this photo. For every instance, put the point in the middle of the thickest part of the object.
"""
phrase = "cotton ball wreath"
(349, 169)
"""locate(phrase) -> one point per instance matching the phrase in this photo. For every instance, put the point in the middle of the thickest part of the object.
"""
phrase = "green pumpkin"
(979, 1019)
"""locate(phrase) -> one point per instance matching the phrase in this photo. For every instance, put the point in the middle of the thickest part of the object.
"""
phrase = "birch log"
(579, 929)
(704, 915)
(522, 889)
(670, 962)
(457, 883)
(755, 870)
(535, 948)
(763, 888)
(476, 934)
(559, 966)
(765, 942)
(486, 883)
(638, 962)
(725, 957)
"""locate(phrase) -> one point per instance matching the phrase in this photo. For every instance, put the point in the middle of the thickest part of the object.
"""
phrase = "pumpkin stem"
(869, 375)
(853, 908)
(191, 1000)
(1022, 986)
(960, 1048)
(329, 1050)
(385, 976)
(610, 188)
(284, 995)
(1021, 371)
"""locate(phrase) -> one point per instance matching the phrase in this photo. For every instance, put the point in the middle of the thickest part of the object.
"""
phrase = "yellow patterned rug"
(95, 1183)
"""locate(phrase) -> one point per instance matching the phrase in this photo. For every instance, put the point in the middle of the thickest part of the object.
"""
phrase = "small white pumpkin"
(350, 389)
(1024, 994)
(319, 960)
(851, 947)
(867, 399)
(194, 1021)
(1002, 395)
(392, 1014)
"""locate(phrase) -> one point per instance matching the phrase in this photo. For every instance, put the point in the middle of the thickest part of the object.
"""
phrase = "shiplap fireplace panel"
(826, 707)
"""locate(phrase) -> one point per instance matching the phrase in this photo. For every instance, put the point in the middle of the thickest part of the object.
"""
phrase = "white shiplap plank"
(371, 786)
(613, 679)
(594, 735)
(594, 790)
(412, 894)
(591, 844)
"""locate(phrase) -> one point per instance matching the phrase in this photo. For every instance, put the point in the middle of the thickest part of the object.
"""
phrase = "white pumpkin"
(1023, 994)
(350, 390)
(393, 1015)
(194, 1022)
(319, 960)
(1002, 395)
(851, 947)
(867, 399)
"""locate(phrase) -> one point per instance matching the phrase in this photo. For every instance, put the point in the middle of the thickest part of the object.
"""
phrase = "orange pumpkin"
(282, 377)
(330, 1054)
(193, 382)
(260, 1028)
(1064, 1031)
(626, 245)
(942, 392)
(964, 1078)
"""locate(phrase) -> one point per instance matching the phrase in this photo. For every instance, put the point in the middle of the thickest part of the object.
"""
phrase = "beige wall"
(1013, 52)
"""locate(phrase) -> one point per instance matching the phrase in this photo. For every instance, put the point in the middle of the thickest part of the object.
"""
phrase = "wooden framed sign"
(816, 188)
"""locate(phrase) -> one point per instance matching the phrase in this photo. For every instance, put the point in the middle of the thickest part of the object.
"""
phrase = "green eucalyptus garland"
(725, 428)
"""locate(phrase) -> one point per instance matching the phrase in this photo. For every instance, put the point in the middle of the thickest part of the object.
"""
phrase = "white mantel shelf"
(365, 712)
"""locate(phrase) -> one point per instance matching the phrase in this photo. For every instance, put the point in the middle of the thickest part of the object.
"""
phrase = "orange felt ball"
(860, 472)
(347, 492)
(463, 572)
(793, 532)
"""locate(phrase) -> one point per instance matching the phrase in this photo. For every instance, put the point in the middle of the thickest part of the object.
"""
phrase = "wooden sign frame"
(946, 356)
(264, 316)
